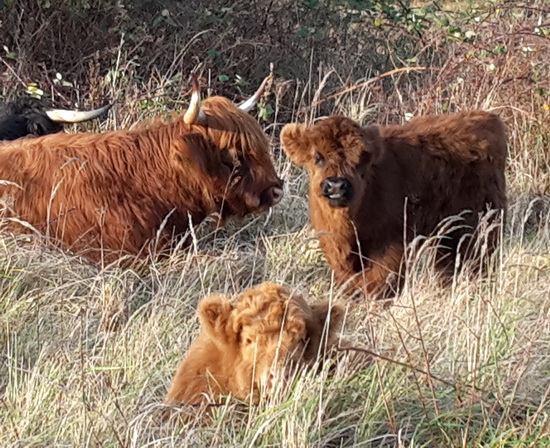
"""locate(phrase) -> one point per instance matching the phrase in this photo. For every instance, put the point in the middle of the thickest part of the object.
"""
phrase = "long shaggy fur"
(405, 180)
(243, 345)
(106, 195)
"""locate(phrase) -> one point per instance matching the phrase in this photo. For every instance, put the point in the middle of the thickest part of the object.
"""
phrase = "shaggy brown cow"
(372, 188)
(120, 190)
(242, 346)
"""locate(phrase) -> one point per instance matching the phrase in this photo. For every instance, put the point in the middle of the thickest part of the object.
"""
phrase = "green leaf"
(171, 22)
(266, 112)
(34, 90)
(157, 20)
(213, 53)
(310, 3)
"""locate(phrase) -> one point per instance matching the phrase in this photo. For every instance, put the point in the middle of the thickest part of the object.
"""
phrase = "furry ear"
(374, 142)
(214, 314)
(294, 142)
(295, 321)
(318, 336)
(39, 124)
(193, 149)
(367, 141)
(324, 314)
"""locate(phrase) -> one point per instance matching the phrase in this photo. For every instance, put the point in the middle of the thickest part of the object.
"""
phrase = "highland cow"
(29, 116)
(243, 347)
(135, 191)
(374, 189)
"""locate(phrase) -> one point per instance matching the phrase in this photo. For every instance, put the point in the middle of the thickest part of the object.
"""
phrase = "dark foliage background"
(374, 60)
(237, 41)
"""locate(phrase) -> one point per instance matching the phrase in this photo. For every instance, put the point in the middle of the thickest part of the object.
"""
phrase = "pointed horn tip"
(106, 108)
(251, 102)
(195, 82)
(268, 80)
(194, 115)
(73, 116)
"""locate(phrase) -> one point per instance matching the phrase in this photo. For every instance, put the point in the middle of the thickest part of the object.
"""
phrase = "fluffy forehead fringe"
(231, 127)
(227, 126)
(268, 307)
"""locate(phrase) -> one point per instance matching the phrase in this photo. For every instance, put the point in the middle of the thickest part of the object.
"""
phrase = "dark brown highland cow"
(107, 195)
(374, 188)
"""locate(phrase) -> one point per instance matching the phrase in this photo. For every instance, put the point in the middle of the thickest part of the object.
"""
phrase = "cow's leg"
(472, 250)
(381, 275)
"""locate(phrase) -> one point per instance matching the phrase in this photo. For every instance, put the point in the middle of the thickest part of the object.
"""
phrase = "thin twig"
(411, 367)
(372, 80)
(13, 72)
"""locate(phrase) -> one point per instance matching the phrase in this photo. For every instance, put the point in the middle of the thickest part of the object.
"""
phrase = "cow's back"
(449, 164)
(73, 187)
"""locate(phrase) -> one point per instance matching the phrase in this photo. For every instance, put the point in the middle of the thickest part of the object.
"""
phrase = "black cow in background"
(28, 116)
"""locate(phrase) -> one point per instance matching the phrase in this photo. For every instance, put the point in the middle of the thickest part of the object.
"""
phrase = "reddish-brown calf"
(374, 189)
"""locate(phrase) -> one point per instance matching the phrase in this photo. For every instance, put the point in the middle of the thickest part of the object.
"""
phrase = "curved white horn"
(194, 114)
(251, 102)
(74, 116)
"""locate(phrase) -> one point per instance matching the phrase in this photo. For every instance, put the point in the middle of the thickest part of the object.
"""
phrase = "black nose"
(336, 187)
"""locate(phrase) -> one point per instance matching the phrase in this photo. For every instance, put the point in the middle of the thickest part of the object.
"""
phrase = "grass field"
(87, 352)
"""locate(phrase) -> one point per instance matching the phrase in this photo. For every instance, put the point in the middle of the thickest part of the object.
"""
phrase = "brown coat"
(242, 347)
(374, 188)
(120, 190)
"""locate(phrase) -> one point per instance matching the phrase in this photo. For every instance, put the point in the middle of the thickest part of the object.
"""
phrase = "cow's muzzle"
(337, 190)
(271, 196)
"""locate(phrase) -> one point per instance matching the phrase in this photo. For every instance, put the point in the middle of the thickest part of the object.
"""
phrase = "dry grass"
(87, 353)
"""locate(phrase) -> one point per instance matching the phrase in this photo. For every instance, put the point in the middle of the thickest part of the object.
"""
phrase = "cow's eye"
(227, 164)
(319, 159)
(248, 341)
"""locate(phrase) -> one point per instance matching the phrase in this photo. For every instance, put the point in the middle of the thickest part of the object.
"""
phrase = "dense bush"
(236, 40)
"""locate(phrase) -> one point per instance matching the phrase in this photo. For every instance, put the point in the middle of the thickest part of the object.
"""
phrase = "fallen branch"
(415, 369)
